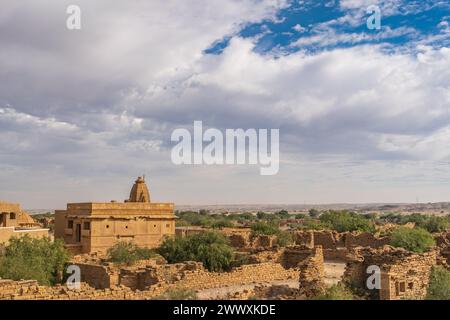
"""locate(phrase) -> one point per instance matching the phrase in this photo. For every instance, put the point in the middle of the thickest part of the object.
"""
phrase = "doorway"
(78, 232)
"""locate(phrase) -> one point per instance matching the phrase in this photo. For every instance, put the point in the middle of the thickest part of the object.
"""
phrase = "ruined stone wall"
(312, 273)
(263, 272)
(98, 276)
(31, 290)
(364, 239)
(192, 276)
(263, 241)
(293, 256)
(404, 275)
(331, 240)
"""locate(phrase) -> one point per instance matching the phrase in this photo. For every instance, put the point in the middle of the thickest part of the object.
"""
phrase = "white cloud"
(84, 110)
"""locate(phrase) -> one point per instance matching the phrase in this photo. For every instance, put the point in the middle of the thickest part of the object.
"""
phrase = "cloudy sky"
(363, 114)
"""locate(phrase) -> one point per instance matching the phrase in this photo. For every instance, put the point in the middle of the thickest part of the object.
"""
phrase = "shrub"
(343, 221)
(264, 228)
(210, 248)
(300, 216)
(439, 286)
(335, 292)
(34, 259)
(284, 238)
(415, 240)
(128, 253)
(436, 224)
(313, 224)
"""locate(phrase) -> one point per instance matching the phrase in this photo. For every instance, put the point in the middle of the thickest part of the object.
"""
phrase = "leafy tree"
(34, 259)
(210, 248)
(264, 228)
(283, 214)
(335, 292)
(415, 240)
(314, 213)
(222, 223)
(128, 253)
(343, 221)
(300, 216)
(261, 215)
(436, 224)
(439, 286)
(313, 224)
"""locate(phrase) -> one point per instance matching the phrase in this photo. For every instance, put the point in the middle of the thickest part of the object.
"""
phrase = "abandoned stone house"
(14, 222)
(403, 274)
(96, 227)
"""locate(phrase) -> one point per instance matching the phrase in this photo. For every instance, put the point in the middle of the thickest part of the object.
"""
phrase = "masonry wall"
(404, 275)
(7, 233)
(333, 240)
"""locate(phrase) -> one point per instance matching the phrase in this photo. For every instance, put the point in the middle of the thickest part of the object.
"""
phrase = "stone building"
(14, 222)
(95, 227)
(403, 274)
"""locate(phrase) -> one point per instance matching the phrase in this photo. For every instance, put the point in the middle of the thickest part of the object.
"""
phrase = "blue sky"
(408, 22)
(364, 115)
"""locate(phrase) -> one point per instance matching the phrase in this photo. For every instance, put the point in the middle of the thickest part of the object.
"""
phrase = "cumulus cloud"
(80, 111)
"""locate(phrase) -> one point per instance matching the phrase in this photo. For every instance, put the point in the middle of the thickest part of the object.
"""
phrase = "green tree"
(415, 240)
(210, 248)
(439, 286)
(314, 213)
(343, 221)
(264, 228)
(313, 224)
(436, 224)
(283, 214)
(34, 259)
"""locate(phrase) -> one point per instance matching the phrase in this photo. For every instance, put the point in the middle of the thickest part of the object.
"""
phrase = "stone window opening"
(87, 226)
(400, 288)
(12, 216)
(107, 226)
(70, 224)
(410, 285)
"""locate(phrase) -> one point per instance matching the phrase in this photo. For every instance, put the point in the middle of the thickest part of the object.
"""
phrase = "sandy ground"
(333, 273)
(334, 270)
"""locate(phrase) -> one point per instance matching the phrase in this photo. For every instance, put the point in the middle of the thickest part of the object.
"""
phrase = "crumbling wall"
(98, 276)
(263, 241)
(262, 272)
(293, 256)
(332, 240)
(364, 239)
(312, 273)
(403, 274)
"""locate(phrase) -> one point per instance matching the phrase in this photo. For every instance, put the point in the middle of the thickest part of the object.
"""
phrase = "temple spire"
(139, 192)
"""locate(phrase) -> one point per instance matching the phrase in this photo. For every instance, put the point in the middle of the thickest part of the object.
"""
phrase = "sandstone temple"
(95, 227)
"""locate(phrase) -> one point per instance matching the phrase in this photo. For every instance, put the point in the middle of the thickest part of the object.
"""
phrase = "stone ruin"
(403, 274)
